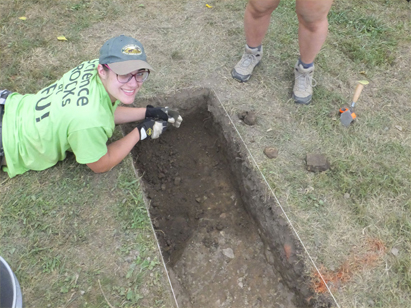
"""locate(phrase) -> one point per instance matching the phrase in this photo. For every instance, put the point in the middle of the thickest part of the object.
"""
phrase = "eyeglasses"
(140, 76)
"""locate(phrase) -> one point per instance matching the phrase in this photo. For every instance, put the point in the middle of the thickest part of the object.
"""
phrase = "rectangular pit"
(223, 238)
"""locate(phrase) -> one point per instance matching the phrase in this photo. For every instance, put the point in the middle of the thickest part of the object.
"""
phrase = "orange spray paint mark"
(368, 255)
(288, 250)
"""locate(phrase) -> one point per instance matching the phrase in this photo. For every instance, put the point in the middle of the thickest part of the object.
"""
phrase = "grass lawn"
(77, 239)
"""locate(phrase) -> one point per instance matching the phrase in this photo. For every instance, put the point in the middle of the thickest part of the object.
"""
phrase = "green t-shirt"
(73, 114)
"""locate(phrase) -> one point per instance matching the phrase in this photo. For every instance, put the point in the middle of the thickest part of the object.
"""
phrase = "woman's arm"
(119, 149)
(128, 114)
(116, 152)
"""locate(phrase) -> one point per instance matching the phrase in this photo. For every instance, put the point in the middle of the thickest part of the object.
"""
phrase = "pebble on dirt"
(248, 117)
(317, 162)
(228, 252)
(271, 152)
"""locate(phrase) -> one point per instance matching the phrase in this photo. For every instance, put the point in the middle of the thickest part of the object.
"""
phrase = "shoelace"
(305, 80)
(247, 59)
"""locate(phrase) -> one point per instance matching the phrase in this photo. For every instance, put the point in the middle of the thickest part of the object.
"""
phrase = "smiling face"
(125, 93)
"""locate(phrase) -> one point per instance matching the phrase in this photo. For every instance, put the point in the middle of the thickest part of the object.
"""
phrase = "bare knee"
(312, 14)
(313, 25)
(261, 8)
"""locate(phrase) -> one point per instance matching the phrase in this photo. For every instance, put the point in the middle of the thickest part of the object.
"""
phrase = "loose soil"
(213, 249)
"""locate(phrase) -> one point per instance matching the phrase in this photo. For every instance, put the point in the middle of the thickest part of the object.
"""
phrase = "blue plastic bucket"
(10, 292)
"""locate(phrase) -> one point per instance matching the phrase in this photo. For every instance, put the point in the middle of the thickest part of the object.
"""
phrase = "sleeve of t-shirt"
(89, 145)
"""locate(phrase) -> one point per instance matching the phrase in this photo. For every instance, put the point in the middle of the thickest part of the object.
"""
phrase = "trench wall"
(283, 250)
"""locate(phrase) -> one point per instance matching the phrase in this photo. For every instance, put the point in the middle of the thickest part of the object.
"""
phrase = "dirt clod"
(271, 152)
(317, 162)
(219, 226)
(248, 117)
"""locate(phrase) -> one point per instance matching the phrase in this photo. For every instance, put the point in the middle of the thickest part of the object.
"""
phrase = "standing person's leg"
(312, 32)
(256, 22)
(257, 18)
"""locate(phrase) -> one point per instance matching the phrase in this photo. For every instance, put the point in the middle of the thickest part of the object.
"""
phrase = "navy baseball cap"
(124, 55)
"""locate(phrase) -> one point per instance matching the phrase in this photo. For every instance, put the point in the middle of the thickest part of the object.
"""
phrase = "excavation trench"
(224, 240)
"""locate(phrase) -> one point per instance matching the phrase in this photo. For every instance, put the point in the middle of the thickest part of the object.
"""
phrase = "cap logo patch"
(131, 50)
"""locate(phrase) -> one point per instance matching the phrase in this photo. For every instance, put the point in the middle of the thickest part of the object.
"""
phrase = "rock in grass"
(317, 162)
(271, 152)
(395, 252)
(248, 117)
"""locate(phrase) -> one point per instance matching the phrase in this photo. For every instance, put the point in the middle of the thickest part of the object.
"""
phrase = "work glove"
(151, 129)
(164, 113)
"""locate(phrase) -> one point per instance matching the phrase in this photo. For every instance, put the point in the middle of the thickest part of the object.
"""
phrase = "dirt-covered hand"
(151, 129)
(164, 113)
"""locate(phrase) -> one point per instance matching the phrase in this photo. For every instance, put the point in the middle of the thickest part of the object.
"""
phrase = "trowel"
(347, 114)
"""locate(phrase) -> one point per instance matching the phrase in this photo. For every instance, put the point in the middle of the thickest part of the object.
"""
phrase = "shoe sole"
(246, 78)
(301, 101)
(238, 78)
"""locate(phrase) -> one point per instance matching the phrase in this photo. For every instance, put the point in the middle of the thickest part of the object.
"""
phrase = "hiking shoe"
(304, 83)
(250, 59)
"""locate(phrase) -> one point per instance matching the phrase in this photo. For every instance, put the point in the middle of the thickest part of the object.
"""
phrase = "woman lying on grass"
(78, 113)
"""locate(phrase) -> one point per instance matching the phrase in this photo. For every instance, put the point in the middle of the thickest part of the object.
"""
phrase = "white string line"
(162, 259)
(278, 202)
(158, 245)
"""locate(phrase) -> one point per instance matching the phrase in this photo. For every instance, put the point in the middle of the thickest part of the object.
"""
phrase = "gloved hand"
(165, 114)
(151, 129)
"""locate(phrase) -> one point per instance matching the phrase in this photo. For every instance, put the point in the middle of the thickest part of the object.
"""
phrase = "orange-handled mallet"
(347, 114)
